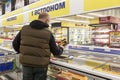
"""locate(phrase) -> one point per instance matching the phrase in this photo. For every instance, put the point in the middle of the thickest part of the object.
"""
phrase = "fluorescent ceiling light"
(82, 16)
(19, 25)
(26, 23)
(54, 21)
(70, 20)
(96, 14)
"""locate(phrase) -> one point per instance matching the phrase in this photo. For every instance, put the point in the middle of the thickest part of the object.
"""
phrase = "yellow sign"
(56, 9)
(39, 3)
(72, 25)
(1, 41)
(68, 24)
(18, 11)
(94, 21)
(115, 39)
(31, 6)
(115, 33)
(13, 20)
(90, 5)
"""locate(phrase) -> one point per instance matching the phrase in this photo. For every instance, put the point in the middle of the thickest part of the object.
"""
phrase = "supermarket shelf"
(6, 49)
(86, 70)
(8, 77)
(14, 76)
(8, 40)
(11, 76)
(102, 50)
(101, 42)
(100, 38)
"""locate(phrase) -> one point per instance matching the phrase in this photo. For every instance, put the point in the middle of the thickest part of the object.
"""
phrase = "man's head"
(44, 17)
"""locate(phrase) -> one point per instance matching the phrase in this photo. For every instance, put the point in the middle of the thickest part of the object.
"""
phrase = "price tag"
(91, 48)
(107, 50)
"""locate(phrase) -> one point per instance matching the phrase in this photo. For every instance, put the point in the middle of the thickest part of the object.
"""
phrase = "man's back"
(34, 46)
(35, 43)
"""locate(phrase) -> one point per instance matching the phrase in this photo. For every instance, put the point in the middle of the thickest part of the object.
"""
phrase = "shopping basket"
(6, 62)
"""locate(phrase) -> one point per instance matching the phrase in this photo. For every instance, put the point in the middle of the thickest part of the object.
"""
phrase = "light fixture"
(19, 25)
(27, 23)
(54, 21)
(96, 14)
(71, 20)
(83, 16)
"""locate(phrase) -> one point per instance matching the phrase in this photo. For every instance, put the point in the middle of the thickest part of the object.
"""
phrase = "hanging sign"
(56, 9)
(19, 19)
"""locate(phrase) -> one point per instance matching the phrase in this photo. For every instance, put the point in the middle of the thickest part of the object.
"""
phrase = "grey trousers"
(32, 73)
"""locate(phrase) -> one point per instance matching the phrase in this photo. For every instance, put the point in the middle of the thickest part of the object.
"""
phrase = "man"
(35, 43)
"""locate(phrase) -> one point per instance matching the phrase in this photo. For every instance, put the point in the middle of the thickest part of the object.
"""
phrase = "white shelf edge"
(102, 74)
(6, 49)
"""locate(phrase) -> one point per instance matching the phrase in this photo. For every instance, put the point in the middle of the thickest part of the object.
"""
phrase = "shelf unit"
(83, 70)
(102, 55)
(95, 75)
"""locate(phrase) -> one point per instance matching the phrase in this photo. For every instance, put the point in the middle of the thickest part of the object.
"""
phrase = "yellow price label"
(115, 33)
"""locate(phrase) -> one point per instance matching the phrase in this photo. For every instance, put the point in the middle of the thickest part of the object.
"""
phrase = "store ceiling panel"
(83, 18)
(109, 12)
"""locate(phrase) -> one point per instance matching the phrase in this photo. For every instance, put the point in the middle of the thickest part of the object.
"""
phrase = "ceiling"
(84, 18)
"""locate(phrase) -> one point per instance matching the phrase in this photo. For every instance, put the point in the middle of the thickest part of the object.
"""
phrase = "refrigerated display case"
(93, 62)
(7, 34)
(101, 30)
(100, 35)
(61, 33)
(80, 36)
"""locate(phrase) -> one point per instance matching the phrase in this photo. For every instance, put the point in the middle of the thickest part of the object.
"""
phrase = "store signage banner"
(29, 7)
(39, 3)
(19, 19)
(92, 5)
(94, 21)
(8, 6)
(102, 20)
(50, 8)
(56, 9)
(18, 11)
